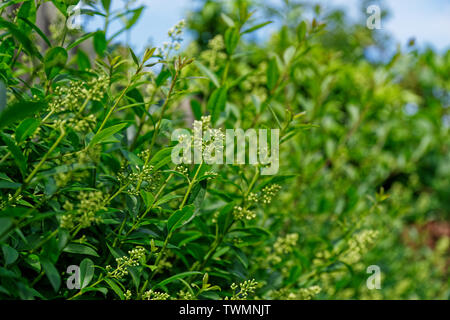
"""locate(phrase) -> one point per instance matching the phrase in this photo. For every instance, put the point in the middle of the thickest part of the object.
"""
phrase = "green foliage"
(86, 176)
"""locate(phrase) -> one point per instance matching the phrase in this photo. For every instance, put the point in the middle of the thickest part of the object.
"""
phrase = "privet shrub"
(93, 207)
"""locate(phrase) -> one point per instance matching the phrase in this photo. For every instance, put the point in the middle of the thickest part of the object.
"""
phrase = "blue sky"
(426, 20)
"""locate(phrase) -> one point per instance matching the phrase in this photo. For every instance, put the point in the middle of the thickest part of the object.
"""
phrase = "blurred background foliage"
(383, 127)
(365, 178)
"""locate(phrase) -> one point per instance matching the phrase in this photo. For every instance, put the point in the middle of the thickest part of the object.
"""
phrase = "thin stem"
(81, 291)
(36, 169)
(191, 184)
(141, 123)
(114, 107)
(134, 226)
(158, 124)
(169, 235)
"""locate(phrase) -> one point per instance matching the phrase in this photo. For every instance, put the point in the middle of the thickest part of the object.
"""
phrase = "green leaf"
(51, 272)
(80, 40)
(180, 217)
(113, 285)
(162, 77)
(272, 73)
(136, 15)
(106, 5)
(19, 158)
(211, 75)
(83, 60)
(9, 185)
(176, 277)
(225, 217)
(5, 224)
(80, 249)
(147, 197)
(24, 39)
(167, 198)
(106, 134)
(227, 20)
(289, 54)
(161, 155)
(86, 272)
(100, 43)
(135, 59)
(19, 111)
(39, 31)
(10, 254)
(54, 61)
(61, 6)
(196, 108)
(26, 128)
(258, 26)
(301, 31)
(2, 95)
(231, 40)
(217, 102)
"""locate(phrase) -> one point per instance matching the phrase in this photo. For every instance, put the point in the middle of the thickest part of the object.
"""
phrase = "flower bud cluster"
(146, 176)
(359, 245)
(123, 263)
(155, 295)
(240, 213)
(241, 291)
(268, 192)
(175, 38)
(83, 213)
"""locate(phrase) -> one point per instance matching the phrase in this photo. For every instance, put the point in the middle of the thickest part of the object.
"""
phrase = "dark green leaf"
(80, 249)
(100, 43)
(51, 272)
(10, 254)
(54, 61)
(19, 158)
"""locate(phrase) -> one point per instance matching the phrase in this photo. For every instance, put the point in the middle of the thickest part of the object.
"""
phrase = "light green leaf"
(258, 26)
(211, 75)
(147, 197)
(176, 277)
(227, 20)
(232, 37)
(180, 217)
(80, 249)
(26, 128)
(106, 134)
(272, 73)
